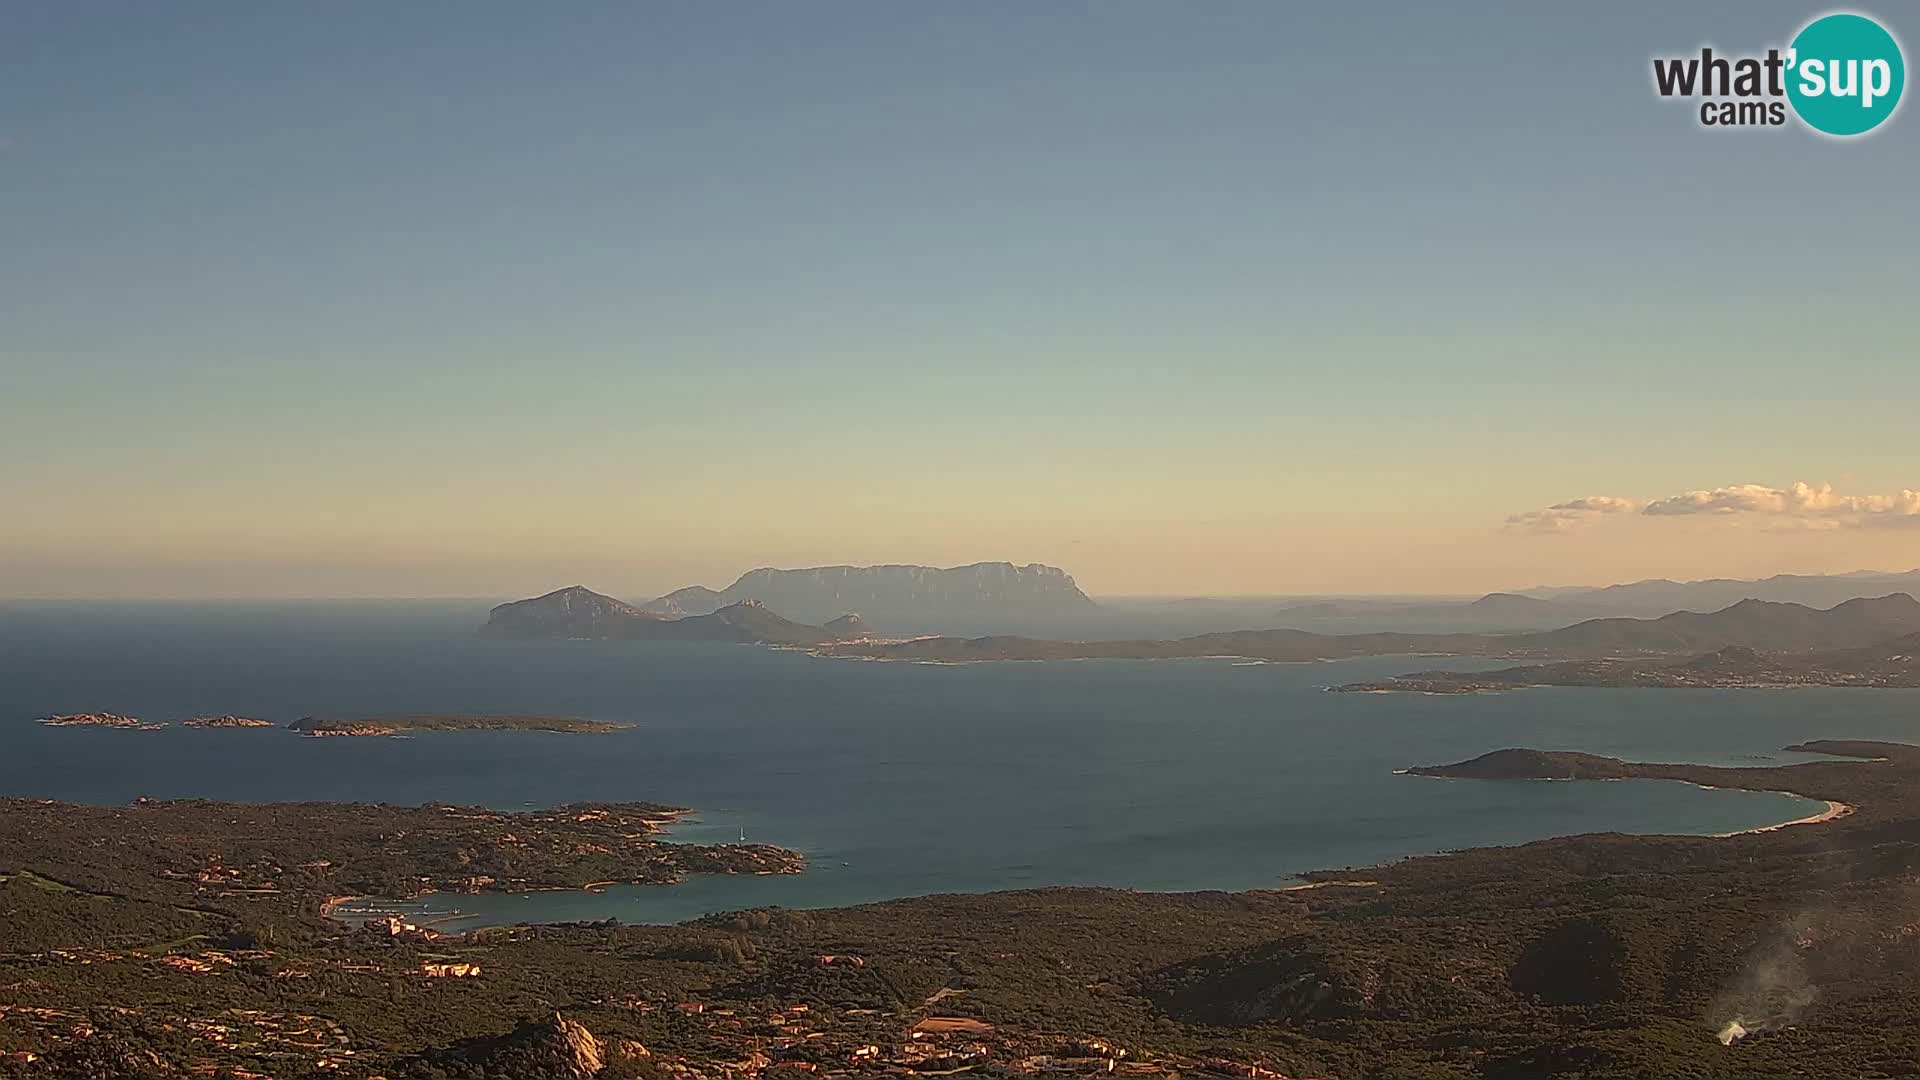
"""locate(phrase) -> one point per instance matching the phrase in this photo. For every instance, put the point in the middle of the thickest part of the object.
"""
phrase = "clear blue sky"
(473, 298)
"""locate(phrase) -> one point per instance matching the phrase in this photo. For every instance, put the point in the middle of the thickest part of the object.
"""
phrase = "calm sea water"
(895, 779)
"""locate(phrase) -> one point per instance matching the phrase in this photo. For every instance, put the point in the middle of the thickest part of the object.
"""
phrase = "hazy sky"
(416, 299)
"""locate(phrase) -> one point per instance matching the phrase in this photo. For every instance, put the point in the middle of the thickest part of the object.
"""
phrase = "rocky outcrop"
(228, 721)
(99, 719)
(556, 1047)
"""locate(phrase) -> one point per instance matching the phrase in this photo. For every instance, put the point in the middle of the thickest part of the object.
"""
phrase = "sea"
(894, 779)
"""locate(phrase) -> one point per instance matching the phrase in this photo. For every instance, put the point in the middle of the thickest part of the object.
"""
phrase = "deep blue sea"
(895, 779)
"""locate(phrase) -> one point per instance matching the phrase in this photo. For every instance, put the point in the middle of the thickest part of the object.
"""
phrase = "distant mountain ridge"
(578, 612)
(895, 593)
(1754, 624)
(1886, 664)
(1709, 594)
(1549, 608)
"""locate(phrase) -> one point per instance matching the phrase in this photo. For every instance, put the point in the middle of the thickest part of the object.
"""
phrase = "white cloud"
(1797, 508)
(1801, 501)
(1569, 515)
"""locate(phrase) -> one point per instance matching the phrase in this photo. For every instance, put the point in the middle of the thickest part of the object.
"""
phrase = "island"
(228, 721)
(399, 725)
(578, 613)
(1519, 764)
(179, 939)
(100, 719)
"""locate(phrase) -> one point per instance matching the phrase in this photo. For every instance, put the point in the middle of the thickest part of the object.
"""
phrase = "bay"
(894, 779)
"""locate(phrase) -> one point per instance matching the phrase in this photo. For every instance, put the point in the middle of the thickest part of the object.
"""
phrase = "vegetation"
(287, 859)
(1593, 956)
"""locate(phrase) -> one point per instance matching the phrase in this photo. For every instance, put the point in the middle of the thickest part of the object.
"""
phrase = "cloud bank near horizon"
(1570, 515)
(1801, 506)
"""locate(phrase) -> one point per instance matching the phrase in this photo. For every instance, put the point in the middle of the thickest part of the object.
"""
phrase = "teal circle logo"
(1845, 74)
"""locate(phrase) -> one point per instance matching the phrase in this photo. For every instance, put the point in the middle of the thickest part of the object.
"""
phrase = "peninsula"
(1891, 664)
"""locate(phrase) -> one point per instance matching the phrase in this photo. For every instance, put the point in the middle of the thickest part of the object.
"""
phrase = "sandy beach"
(1835, 809)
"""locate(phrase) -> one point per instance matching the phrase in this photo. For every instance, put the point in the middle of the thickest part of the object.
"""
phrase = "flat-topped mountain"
(580, 613)
(893, 593)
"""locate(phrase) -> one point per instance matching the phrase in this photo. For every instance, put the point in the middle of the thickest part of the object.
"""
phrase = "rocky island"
(228, 721)
(578, 613)
(100, 719)
(398, 725)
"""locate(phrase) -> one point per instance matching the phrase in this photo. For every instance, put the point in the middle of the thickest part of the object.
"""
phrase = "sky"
(480, 299)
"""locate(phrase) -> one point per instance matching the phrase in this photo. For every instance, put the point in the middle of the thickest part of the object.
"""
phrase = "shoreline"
(661, 824)
(1834, 811)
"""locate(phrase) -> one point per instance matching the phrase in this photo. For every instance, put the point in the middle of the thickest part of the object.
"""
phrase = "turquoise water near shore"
(894, 779)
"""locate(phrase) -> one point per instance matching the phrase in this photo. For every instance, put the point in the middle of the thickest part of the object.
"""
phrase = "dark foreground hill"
(176, 940)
